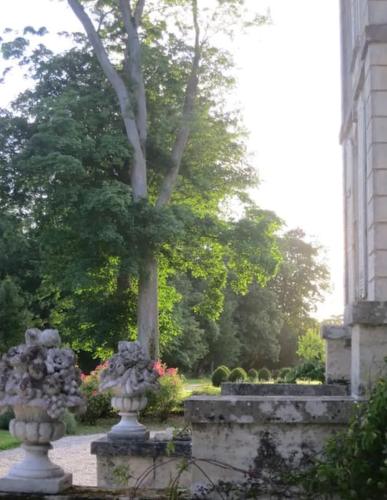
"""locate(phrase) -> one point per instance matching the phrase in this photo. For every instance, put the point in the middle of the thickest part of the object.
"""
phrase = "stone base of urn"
(129, 428)
(35, 473)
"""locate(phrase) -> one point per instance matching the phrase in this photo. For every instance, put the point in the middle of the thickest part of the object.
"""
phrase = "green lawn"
(7, 441)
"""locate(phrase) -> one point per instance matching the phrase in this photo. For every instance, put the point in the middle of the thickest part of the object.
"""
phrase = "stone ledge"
(335, 332)
(90, 493)
(319, 410)
(247, 389)
(149, 448)
(370, 313)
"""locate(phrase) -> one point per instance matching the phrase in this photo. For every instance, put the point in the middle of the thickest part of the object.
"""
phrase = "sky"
(288, 90)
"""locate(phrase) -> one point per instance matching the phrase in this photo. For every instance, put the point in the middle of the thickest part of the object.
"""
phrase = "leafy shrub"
(220, 375)
(309, 370)
(253, 374)
(98, 404)
(70, 422)
(238, 374)
(354, 463)
(169, 396)
(5, 419)
(310, 347)
(264, 374)
(284, 374)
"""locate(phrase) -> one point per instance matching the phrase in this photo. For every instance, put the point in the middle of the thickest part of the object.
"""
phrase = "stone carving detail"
(129, 372)
(40, 374)
(128, 376)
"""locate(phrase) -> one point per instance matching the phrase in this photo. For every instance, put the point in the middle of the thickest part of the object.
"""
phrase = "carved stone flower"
(59, 359)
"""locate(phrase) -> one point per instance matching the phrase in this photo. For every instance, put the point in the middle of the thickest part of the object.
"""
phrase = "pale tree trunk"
(148, 309)
(134, 114)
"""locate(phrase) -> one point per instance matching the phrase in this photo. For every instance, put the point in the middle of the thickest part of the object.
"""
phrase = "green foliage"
(299, 285)
(5, 419)
(70, 422)
(14, 316)
(284, 374)
(168, 398)
(264, 374)
(311, 347)
(354, 463)
(221, 374)
(308, 370)
(253, 374)
(238, 375)
(98, 404)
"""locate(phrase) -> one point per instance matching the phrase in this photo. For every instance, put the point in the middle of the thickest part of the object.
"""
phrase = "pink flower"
(171, 371)
(159, 368)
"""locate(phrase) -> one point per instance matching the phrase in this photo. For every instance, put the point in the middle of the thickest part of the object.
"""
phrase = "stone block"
(267, 436)
(377, 264)
(376, 55)
(377, 210)
(376, 79)
(377, 155)
(377, 12)
(150, 464)
(369, 352)
(377, 288)
(247, 389)
(22, 485)
(337, 353)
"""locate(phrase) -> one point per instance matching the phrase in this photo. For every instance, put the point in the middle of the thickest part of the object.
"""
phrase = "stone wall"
(237, 437)
(364, 140)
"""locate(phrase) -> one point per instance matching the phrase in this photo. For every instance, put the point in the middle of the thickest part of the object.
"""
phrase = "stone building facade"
(364, 140)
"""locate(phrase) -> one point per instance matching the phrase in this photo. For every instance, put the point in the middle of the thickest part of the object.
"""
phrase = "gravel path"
(72, 453)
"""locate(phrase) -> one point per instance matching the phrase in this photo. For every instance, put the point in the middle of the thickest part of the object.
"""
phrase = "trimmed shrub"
(284, 373)
(238, 375)
(5, 419)
(264, 374)
(253, 374)
(220, 375)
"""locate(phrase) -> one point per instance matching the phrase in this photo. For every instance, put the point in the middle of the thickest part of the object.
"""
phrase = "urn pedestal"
(129, 428)
(35, 473)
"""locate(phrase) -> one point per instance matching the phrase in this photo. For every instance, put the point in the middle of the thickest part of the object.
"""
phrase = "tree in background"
(299, 286)
(65, 165)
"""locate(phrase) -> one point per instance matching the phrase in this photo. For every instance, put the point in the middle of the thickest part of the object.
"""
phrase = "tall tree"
(128, 82)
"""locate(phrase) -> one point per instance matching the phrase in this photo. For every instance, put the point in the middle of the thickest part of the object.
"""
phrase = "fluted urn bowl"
(128, 408)
(36, 429)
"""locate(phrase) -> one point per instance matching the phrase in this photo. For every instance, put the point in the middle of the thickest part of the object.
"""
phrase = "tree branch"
(134, 70)
(138, 11)
(182, 134)
(138, 174)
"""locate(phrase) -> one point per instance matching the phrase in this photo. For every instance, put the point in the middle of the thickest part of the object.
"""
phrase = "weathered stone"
(129, 374)
(265, 437)
(148, 463)
(247, 389)
(367, 313)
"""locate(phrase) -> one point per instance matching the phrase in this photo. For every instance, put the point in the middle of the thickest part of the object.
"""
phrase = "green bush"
(98, 404)
(238, 375)
(354, 463)
(220, 375)
(309, 370)
(5, 419)
(284, 374)
(70, 422)
(264, 374)
(169, 396)
(253, 374)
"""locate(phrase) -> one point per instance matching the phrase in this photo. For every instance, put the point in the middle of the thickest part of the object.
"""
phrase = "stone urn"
(39, 380)
(128, 376)
(36, 429)
(129, 427)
